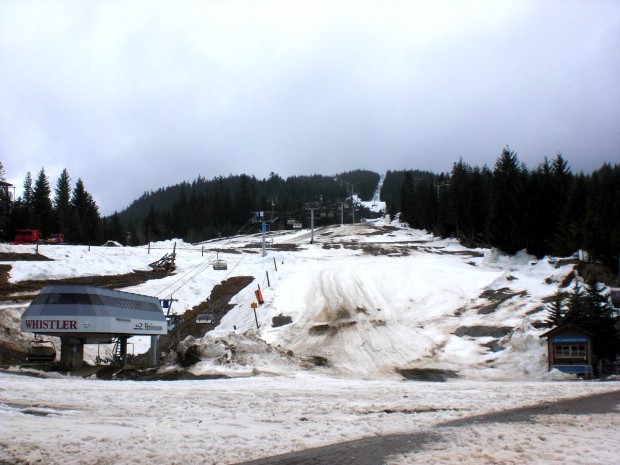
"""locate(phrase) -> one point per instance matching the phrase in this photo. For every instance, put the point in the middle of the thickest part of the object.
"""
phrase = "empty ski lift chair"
(205, 318)
(219, 264)
(41, 351)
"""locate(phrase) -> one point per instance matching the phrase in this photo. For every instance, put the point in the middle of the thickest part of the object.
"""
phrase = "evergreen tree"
(539, 222)
(592, 311)
(86, 224)
(480, 185)
(221, 206)
(505, 221)
(27, 203)
(78, 213)
(181, 215)
(197, 217)
(459, 207)
(152, 226)
(116, 232)
(576, 308)
(601, 224)
(406, 199)
(244, 202)
(5, 205)
(570, 232)
(42, 205)
(62, 203)
(554, 180)
(556, 310)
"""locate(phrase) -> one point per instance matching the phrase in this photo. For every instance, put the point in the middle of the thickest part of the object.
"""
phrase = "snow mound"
(234, 354)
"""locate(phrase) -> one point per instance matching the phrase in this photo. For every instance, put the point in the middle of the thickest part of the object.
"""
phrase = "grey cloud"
(139, 95)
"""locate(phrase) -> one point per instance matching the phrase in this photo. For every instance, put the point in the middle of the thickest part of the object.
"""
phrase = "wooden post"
(36, 249)
(202, 253)
(254, 305)
(268, 283)
(174, 256)
(149, 249)
(274, 263)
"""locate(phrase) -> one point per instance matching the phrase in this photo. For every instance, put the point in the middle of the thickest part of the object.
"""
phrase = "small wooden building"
(569, 349)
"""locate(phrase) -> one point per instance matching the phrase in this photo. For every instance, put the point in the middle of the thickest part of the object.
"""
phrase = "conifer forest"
(546, 210)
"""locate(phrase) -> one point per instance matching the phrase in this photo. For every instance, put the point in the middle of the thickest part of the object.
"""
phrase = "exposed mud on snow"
(22, 257)
(25, 290)
(483, 331)
(496, 298)
(330, 329)
(280, 320)
(427, 374)
(217, 305)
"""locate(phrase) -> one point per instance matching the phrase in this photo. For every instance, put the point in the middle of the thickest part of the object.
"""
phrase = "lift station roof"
(93, 313)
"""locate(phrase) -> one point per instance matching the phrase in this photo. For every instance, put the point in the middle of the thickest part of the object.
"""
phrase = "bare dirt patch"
(427, 374)
(217, 304)
(280, 320)
(28, 289)
(496, 298)
(330, 329)
(483, 331)
(379, 249)
(23, 257)
(287, 247)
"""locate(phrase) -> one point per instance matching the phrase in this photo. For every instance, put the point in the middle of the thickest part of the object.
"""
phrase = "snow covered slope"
(372, 299)
(366, 300)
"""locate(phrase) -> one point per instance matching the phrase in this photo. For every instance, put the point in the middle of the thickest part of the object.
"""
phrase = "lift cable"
(195, 271)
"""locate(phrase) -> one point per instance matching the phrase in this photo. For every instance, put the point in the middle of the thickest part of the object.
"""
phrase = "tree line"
(69, 210)
(546, 211)
(196, 211)
(205, 209)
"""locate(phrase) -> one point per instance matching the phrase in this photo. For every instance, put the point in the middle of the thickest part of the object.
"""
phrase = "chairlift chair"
(219, 264)
(41, 351)
(205, 318)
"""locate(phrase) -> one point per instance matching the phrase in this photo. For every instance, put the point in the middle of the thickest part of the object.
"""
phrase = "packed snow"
(83, 421)
(370, 300)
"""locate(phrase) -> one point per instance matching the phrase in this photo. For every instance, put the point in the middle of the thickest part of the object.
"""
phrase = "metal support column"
(123, 345)
(153, 352)
(264, 227)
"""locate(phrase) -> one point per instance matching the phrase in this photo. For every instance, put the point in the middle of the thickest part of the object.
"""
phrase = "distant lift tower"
(264, 217)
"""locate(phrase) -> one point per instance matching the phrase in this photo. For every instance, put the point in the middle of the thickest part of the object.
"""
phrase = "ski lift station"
(81, 315)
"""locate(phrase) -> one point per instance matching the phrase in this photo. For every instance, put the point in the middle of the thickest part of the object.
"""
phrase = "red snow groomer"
(56, 239)
(26, 236)
(32, 236)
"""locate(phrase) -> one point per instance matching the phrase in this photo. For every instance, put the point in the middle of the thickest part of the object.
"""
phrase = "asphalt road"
(375, 450)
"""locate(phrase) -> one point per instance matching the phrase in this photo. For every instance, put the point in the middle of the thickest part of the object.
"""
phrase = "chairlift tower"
(350, 190)
(264, 217)
(311, 207)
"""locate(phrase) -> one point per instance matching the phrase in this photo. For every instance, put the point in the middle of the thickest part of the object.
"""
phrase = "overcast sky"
(135, 95)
